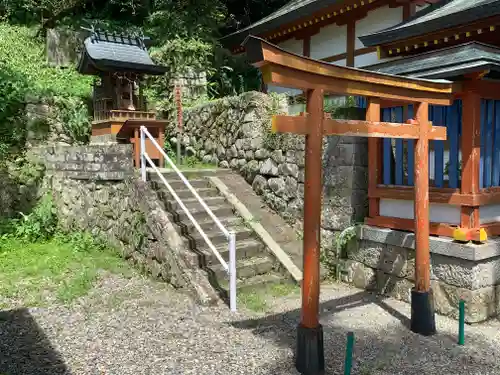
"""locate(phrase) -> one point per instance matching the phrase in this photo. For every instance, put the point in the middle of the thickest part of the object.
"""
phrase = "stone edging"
(437, 245)
(264, 236)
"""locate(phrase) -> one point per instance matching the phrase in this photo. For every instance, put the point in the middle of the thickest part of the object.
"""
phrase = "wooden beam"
(437, 229)
(343, 56)
(422, 254)
(374, 156)
(287, 69)
(356, 128)
(307, 80)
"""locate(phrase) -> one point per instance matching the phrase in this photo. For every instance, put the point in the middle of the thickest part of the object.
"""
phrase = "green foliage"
(61, 269)
(180, 56)
(24, 73)
(39, 225)
(331, 255)
(195, 19)
(73, 114)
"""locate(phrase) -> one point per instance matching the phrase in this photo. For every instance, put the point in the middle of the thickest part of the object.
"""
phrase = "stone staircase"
(256, 267)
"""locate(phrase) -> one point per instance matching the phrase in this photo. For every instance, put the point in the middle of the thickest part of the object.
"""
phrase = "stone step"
(245, 268)
(185, 193)
(244, 249)
(192, 203)
(200, 214)
(193, 173)
(208, 225)
(196, 242)
(178, 184)
(254, 283)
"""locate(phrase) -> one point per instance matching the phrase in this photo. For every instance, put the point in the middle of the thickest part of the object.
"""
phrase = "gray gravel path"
(138, 326)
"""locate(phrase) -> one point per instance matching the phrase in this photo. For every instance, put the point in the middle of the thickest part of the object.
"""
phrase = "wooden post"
(422, 311)
(310, 353)
(374, 157)
(161, 142)
(351, 43)
(137, 148)
(471, 150)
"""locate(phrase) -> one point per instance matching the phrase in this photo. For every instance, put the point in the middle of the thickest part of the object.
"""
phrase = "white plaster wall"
(293, 45)
(376, 20)
(340, 62)
(331, 40)
(489, 214)
(403, 209)
(283, 90)
(365, 60)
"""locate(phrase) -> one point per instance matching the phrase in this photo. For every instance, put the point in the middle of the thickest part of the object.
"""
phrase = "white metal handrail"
(231, 237)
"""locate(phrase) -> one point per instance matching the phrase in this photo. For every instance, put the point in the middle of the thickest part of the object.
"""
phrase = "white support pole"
(143, 151)
(232, 271)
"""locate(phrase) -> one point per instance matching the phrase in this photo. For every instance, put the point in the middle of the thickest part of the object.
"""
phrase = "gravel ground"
(138, 326)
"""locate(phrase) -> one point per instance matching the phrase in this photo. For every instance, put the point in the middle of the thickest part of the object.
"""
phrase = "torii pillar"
(289, 70)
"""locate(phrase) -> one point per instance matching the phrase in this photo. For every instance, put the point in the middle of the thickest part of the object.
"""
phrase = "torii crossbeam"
(316, 78)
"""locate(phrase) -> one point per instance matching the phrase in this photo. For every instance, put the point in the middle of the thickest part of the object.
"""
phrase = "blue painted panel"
(439, 120)
(488, 145)
(453, 128)
(484, 118)
(398, 116)
(411, 152)
(387, 149)
(496, 145)
(361, 102)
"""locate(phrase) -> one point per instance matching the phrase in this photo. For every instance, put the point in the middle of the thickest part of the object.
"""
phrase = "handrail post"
(232, 271)
(143, 151)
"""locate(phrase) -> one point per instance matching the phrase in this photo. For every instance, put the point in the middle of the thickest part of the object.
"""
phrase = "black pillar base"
(423, 320)
(310, 355)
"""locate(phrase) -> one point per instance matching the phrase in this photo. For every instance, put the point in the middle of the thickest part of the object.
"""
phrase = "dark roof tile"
(107, 52)
(446, 63)
(291, 12)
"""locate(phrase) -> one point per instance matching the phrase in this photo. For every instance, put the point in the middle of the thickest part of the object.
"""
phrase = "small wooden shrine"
(120, 64)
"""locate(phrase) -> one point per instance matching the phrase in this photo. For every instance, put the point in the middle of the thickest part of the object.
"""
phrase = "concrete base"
(383, 260)
(310, 357)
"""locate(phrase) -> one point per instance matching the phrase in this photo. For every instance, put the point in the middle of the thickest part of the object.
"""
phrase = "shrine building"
(454, 40)
(449, 40)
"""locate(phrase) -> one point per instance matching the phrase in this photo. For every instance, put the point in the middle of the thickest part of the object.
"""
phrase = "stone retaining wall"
(96, 189)
(234, 132)
(384, 260)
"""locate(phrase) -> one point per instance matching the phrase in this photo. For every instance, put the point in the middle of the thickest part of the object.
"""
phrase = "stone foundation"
(383, 260)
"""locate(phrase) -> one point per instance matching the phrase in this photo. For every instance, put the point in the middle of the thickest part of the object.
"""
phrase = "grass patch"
(259, 300)
(34, 273)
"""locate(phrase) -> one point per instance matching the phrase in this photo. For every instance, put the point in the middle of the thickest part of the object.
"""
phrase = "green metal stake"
(461, 323)
(348, 354)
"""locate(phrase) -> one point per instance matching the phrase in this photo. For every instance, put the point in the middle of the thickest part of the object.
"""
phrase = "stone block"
(398, 261)
(367, 252)
(359, 275)
(393, 286)
(480, 304)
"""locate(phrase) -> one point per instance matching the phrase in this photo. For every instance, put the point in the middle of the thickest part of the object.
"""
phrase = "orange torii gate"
(315, 77)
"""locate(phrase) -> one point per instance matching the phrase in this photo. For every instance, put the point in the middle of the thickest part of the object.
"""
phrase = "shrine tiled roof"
(443, 15)
(291, 12)
(446, 63)
(112, 52)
